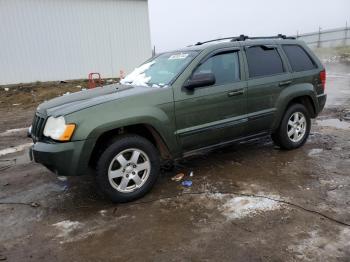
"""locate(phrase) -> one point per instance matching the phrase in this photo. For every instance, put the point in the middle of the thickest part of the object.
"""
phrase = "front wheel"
(294, 128)
(128, 168)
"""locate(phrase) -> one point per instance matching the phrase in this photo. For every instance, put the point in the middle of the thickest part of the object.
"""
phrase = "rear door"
(213, 114)
(267, 76)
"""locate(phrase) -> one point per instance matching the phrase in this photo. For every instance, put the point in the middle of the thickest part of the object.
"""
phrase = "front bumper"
(64, 159)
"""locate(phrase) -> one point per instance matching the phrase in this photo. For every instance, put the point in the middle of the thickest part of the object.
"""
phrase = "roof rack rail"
(245, 37)
(214, 40)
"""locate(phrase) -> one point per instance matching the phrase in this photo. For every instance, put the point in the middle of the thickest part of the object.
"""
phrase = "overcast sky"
(178, 23)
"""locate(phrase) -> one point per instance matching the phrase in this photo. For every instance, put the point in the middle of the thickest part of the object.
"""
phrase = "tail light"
(323, 79)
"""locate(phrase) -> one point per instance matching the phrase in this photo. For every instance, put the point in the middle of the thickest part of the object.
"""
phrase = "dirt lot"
(248, 202)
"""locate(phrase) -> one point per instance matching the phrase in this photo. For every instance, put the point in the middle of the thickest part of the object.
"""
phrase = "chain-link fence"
(327, 38)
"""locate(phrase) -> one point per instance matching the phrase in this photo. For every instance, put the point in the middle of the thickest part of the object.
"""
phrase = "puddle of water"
(336, 123)
(310, 247)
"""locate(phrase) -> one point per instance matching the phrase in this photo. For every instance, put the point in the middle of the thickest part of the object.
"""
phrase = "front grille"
(38, 127)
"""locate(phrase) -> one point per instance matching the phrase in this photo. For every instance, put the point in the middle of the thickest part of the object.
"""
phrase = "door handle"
(236, 92)
(285, 83)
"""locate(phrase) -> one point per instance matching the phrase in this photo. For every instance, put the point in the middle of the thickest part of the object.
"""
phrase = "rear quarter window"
(299, 58)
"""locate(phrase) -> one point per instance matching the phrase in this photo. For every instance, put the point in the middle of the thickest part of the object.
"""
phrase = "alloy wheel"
(296, 127)
(129, 170)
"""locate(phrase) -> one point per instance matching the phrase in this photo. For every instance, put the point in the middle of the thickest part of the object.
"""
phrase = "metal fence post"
(346, 33)
(319, 38)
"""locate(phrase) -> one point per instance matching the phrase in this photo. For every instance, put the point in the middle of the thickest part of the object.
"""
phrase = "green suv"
(177, 104)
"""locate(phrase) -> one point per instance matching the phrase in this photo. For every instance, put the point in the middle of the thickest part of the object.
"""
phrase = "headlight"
(57, 129)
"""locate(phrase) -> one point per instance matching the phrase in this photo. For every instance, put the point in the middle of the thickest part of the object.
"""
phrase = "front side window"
(298, 58)
(224, 66)
(263, 61)
(161, 70)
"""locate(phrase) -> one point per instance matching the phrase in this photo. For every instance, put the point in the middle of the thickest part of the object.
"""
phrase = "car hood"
(70, 103)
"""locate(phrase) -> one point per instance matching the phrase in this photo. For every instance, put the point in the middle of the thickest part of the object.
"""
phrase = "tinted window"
(263, 61)
(298, 58)
(224, 66)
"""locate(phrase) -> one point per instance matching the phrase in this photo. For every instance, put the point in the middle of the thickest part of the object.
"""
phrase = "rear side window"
(225, 67)
(263, 61)
(298, 58)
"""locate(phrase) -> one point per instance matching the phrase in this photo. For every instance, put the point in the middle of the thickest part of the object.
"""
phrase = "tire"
(297, 122)
(128, 168)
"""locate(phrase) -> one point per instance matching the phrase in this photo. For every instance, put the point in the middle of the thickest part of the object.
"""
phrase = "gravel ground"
(248, 202)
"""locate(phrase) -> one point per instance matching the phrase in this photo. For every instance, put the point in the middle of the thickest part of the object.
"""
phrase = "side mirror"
(200, 80)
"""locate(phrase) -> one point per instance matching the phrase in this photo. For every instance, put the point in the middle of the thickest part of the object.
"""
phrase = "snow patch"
(215, 196)
(240, 207)
(138, 76)
(315, 151)
(66, 227)
(13, 131)
(15, 149)
(335, 123)
(103, 212)
(73, 231)
(338, 75)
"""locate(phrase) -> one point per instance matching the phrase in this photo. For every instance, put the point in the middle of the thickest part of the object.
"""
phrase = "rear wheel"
(294, 128)
(128, 168)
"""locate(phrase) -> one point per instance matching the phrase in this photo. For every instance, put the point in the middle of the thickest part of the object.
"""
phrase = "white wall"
(46, 40)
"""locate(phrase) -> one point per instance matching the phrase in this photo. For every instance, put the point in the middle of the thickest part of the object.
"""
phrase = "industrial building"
(49, 40)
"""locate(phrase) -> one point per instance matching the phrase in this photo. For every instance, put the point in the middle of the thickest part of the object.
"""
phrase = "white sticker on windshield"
(178, 56)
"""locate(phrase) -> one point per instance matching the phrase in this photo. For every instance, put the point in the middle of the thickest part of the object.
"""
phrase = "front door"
(212, 114)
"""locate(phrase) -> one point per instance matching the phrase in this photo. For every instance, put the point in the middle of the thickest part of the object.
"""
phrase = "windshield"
(159, 71)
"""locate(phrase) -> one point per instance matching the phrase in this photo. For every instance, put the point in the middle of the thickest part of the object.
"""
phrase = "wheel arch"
(144, 130)
(305, 99)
